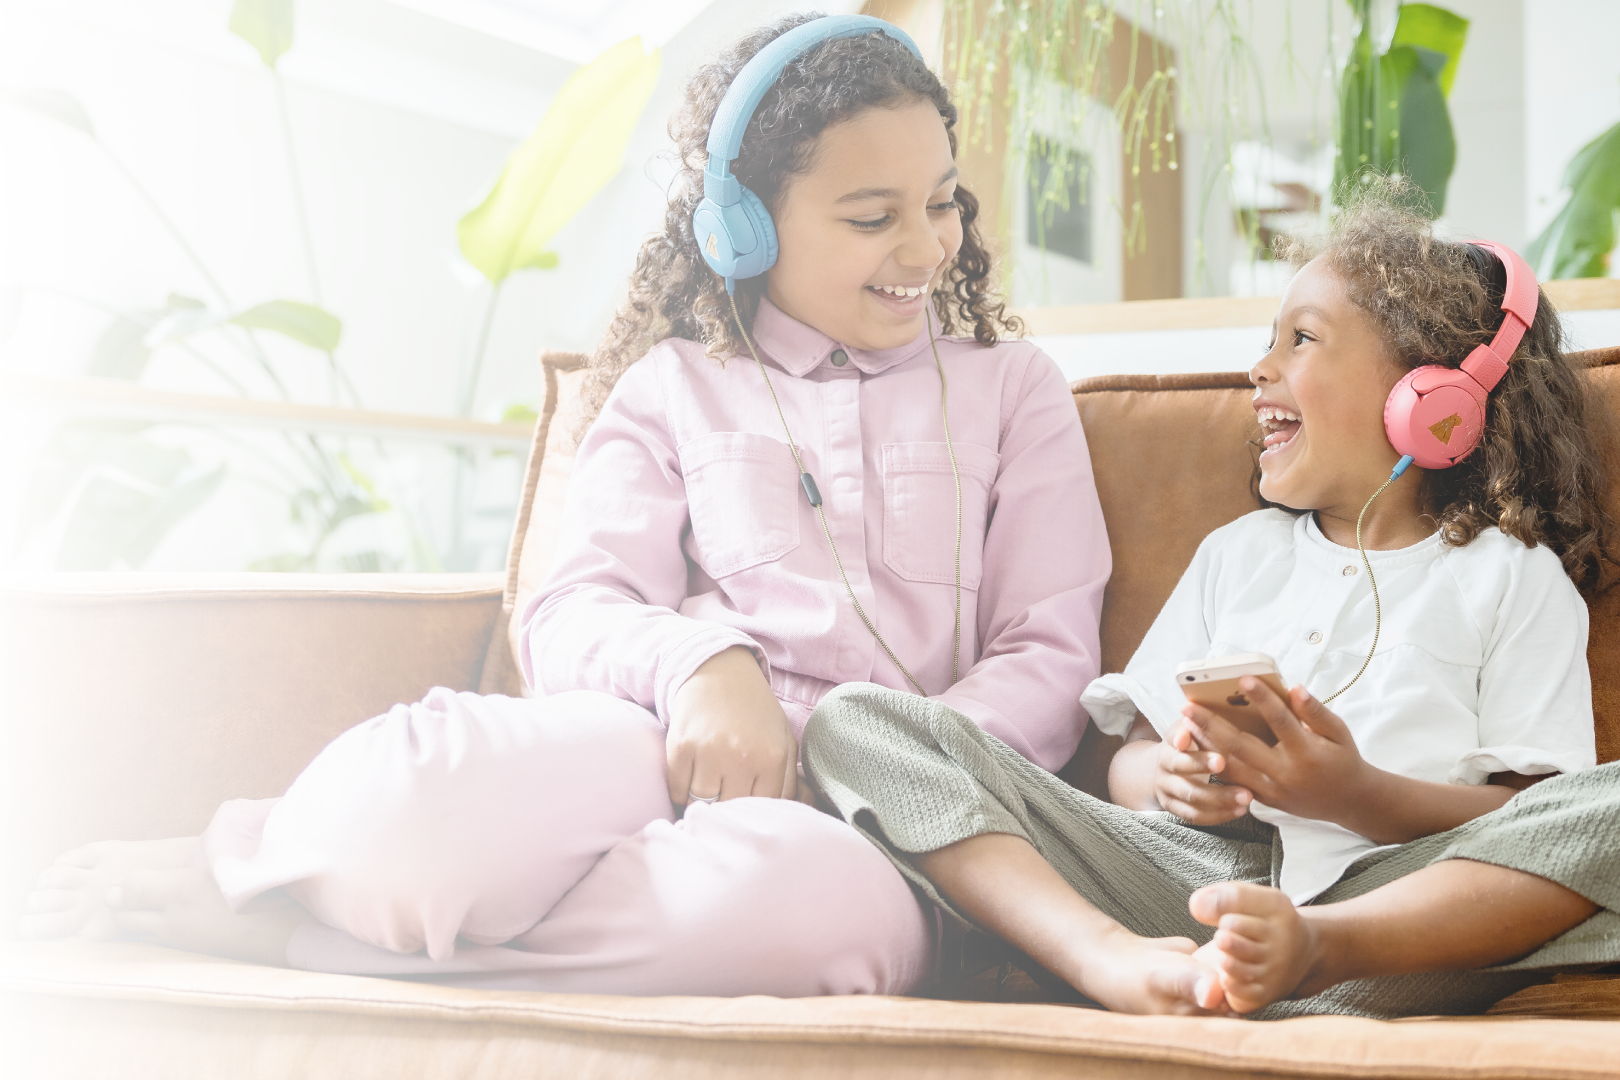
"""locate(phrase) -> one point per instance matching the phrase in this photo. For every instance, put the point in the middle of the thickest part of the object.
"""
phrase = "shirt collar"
(799, 349)
(1328, 553)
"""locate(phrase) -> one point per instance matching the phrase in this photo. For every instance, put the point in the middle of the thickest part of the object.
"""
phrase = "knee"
(466, 815)
(828, 913)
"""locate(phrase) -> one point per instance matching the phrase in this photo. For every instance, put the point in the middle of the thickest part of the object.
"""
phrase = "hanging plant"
(1392, 106)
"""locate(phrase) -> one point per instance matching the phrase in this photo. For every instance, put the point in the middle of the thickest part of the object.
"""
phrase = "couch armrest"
(132, 705)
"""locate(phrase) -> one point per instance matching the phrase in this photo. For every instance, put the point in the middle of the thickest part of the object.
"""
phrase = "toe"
(42, 901)
(50, 925)
(1235, 898)
(148, 890)
(66, 877)
(88, 857)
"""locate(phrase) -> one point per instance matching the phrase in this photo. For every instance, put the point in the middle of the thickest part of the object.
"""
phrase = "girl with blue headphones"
(812, 458)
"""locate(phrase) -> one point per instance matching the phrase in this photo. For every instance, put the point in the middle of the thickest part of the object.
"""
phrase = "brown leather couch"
(134, 704)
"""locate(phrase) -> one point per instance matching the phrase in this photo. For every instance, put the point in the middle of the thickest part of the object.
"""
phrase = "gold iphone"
(1214, 685)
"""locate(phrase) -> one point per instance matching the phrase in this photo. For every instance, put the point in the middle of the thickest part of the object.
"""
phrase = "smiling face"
(1319, 396)
(870, 228)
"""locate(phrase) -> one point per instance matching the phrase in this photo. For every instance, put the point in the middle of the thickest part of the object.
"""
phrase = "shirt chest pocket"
(919, 510)
(740, 492)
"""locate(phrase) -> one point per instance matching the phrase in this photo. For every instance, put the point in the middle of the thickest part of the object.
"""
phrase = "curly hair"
(674, 293)
(1539, 474)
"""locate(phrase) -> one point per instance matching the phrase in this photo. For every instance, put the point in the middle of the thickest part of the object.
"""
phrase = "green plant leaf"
(267, 25)
(1425, 148)
(1430, 27)
(1580, 241)
(1392, 108)
(576, 149)
(306, 323)
(121, 352)
(56, 105)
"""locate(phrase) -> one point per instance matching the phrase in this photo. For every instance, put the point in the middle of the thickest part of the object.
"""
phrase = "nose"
(920, 245)
(1265, 369)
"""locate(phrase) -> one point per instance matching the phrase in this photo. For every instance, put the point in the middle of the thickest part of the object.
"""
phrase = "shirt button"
(1349, 571)
(840, 358)
(1315, 638)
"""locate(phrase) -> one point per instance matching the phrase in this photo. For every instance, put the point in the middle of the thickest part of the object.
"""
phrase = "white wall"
(1572, 87)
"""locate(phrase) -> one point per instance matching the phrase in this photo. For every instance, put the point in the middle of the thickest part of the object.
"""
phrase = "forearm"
(1388, 808)
(591, 637)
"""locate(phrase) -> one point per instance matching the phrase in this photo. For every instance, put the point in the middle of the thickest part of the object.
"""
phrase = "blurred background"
(275, 275)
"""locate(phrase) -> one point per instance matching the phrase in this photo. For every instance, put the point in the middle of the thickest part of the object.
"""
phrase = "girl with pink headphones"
(1445, 815)
(814, 459)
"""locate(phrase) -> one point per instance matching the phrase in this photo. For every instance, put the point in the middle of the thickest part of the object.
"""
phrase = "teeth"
(901, 290)
(1271, 414)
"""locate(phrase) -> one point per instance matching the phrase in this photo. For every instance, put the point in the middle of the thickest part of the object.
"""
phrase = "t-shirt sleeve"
(1179, 633)
(1535, 692)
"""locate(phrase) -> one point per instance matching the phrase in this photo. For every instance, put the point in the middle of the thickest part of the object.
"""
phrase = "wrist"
(1368, 800)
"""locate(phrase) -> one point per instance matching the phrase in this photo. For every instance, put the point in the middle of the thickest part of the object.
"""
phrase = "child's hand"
(1181, 782)
(728, 735)
(1314, 771)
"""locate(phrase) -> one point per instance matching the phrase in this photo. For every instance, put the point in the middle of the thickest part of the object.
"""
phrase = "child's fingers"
(1195, 763)
(1317, 716)
(1233, 745)
(1274, 710)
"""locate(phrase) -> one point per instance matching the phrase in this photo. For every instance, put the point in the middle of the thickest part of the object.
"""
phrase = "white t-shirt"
(1481, 665)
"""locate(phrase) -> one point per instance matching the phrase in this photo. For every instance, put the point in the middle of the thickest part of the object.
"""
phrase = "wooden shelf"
(1205, 313)
(117, 396)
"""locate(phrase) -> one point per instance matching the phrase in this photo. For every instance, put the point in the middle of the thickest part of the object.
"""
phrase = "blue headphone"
(731, 225)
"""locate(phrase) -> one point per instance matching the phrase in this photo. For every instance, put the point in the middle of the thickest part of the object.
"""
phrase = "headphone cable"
(1378, 611)
(813, 494)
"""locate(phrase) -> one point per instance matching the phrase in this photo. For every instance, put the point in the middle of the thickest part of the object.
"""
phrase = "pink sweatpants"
(504, 843)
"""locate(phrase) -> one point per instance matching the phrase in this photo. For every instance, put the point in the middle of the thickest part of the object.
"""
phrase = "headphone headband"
(1436, 414)
(1488, 363)
(759, 75)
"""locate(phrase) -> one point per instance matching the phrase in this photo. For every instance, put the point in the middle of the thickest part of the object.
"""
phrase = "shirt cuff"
(1113, 701)
(709, 641)
(1476, 766)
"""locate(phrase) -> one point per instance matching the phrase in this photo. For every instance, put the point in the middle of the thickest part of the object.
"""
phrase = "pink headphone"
(1436, 415)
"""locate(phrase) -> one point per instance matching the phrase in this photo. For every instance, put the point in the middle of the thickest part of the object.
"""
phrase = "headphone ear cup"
(1436, 415)
(763, 256)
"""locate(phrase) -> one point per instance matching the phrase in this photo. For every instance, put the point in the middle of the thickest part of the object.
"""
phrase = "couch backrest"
(1172, 462)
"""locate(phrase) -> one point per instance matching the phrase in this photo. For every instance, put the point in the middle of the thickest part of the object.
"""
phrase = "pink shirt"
(686, 532)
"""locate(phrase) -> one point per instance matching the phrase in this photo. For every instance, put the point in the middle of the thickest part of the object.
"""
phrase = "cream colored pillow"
(534, 534)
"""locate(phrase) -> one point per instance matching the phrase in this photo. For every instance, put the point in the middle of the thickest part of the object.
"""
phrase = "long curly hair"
(1539, 474)
(674, 293)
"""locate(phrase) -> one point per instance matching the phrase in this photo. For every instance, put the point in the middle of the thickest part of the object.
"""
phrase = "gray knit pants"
(915, 776)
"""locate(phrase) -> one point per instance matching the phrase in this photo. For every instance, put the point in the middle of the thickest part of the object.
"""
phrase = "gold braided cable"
(956, 475)
(1378, 611)
(821, 513)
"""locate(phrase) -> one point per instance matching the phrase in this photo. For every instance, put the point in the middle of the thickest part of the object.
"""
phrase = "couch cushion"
(534, 532)
(134, 704)
(77, 1009)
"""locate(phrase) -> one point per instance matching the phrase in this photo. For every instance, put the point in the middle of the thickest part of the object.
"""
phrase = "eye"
(940, 208)
(870, 225)
(1301, 337)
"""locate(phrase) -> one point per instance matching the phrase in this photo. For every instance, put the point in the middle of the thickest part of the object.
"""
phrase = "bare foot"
(1134, 974)
(1263, 948)
(157, 891)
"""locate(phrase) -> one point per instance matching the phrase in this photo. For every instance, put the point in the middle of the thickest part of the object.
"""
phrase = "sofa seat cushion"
(83, 1009)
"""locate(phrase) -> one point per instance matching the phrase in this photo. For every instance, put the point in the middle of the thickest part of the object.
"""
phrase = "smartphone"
(1214, 685)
